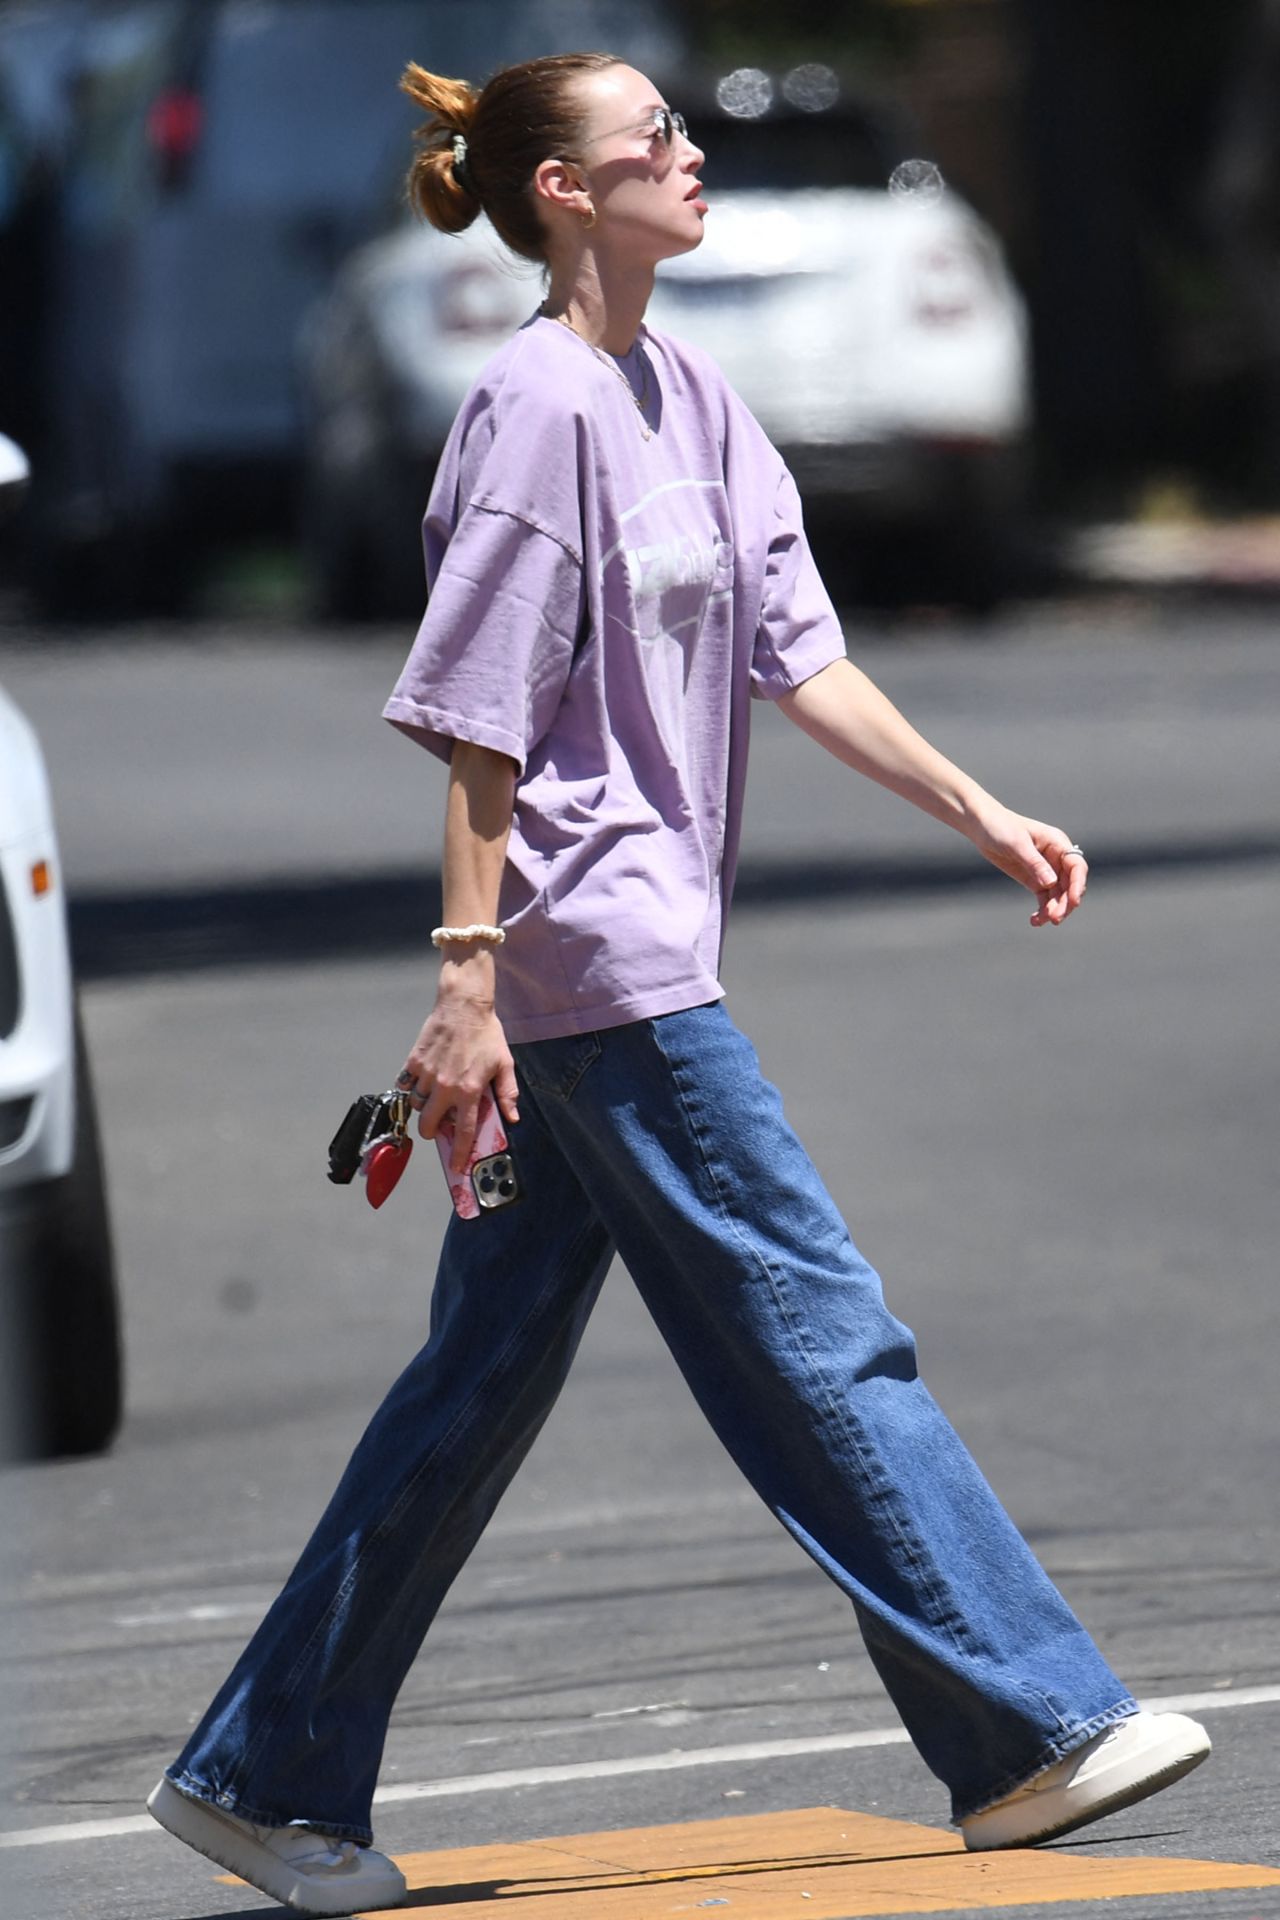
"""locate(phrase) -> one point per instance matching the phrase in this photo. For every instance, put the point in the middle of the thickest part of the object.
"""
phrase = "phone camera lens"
(506, 1188)
(486, 1183)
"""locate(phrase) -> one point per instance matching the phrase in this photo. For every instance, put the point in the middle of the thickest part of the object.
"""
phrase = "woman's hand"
(1039, 857)
(460, 1050)
(462, 1047)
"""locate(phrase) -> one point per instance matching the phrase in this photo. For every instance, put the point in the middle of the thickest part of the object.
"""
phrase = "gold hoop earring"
(589, 217)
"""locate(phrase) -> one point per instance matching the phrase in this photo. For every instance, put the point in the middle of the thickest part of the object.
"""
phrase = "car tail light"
(174, 128)
(476, 298)
(946, 285)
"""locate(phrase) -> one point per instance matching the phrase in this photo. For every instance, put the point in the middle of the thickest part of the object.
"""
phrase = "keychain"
(373, 1141)
(387, 1146)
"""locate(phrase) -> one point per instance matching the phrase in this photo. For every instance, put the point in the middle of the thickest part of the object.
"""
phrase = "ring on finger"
(1079, 851)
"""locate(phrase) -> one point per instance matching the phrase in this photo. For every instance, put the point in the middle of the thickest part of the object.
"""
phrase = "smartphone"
(489, 1180)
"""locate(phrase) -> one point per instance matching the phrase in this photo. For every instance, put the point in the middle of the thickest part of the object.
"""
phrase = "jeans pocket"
(556, 1066)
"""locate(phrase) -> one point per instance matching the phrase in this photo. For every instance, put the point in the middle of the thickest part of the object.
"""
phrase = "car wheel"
(399, 579)
(332, 561)
(363, 555)
(974, 565)
(63, 1364)
(966, 568)
(129, 575)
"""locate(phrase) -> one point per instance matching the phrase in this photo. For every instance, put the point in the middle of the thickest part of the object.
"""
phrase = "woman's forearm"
(477, 827)
(848, 715)
(462, 1049)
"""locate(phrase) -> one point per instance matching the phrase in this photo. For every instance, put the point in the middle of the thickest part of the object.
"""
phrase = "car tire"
(63, 1361)
(363, 560)
(130, 575)
(967, 569)
(399, 576)
(332, 563)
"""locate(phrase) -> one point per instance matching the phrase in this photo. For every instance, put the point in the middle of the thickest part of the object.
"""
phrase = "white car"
(879, 342)
(878, 337)
(60, 1392)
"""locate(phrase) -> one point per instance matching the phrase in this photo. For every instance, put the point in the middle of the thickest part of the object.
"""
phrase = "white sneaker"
(307, 1871)
(1122, 1764)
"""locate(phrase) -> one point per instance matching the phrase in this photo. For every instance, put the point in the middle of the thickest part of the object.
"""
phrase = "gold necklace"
(637, 399)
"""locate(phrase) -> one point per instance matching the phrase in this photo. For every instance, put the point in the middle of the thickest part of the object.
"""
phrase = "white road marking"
(1221, 1697)
(80, 1830)
(675, 1761)
(209, 1610)
(625, 1713)
(633, 1764)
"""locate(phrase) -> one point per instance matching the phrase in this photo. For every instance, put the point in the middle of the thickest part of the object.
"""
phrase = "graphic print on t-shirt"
(676, 557)
(658, 582)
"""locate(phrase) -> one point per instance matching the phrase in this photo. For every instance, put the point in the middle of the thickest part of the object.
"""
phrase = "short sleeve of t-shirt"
(799, 631)
(496, 644)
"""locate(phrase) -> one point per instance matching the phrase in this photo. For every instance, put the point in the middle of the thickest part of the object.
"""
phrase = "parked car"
(879, 340)
(385, 361)
(60, 1351)
(221, 160)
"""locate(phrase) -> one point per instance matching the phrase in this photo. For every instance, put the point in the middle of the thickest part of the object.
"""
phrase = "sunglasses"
(662, 125)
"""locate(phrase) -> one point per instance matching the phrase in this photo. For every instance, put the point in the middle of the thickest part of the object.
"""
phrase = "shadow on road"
(265, 922)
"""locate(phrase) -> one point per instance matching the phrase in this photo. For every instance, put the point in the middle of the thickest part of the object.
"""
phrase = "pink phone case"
(491, 1139)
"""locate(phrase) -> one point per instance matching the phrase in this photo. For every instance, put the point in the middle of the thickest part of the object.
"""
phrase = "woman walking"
(617, 566)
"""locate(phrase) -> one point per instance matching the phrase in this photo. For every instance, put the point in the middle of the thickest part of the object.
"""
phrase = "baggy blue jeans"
(662, 1140)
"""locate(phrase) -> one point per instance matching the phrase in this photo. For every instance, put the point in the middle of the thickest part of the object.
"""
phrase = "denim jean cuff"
(229, 1803)
(1066, 1743)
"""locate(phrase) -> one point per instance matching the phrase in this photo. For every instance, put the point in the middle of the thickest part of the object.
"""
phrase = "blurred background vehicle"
(879, 340)
(385, 359)
(220, 161)
(60, 1355)
(183, 179)
(877, 337)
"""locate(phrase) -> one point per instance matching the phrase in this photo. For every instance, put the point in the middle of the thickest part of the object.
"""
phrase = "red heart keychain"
(383, 1167)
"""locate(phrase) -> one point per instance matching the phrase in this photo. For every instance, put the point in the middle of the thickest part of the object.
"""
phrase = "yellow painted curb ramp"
(816, 1864)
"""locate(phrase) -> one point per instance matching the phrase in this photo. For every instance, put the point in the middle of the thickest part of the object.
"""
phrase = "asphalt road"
(209, 756)
(1058, 1148)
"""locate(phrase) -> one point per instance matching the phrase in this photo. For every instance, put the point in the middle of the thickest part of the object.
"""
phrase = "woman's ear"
(561, 183)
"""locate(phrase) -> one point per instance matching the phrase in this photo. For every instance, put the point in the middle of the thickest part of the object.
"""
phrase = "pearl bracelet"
(445, 936)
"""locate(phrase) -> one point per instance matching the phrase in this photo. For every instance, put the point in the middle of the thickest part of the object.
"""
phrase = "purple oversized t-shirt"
(602, 606)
